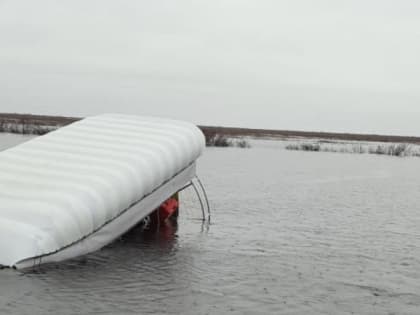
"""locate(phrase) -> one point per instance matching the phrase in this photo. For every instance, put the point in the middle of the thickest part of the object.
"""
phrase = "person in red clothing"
(168, 210)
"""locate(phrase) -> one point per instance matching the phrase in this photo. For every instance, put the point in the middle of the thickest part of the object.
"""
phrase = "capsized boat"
(76, 189)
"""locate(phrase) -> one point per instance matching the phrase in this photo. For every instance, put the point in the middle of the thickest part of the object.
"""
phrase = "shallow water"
(291, 233)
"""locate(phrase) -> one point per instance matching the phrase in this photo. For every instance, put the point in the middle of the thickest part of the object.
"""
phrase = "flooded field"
(292, 232)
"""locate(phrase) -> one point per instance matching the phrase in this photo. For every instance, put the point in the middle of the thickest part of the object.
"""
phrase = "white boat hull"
(116, 227)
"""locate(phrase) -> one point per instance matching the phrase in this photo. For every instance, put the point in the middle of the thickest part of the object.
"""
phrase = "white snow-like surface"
(57, 189)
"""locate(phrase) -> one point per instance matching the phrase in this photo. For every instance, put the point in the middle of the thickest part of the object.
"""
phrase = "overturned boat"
(78, 188)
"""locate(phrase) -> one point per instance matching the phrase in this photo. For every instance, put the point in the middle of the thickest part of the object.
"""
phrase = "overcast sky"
(331, 65)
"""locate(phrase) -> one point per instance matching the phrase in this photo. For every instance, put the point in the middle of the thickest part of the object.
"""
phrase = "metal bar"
(205, 195)
(185, 187)
(201, 201)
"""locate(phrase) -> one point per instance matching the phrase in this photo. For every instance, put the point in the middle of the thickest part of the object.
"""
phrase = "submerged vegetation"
(391, 149)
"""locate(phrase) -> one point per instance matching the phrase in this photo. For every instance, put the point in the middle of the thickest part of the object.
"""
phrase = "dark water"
(291, 233)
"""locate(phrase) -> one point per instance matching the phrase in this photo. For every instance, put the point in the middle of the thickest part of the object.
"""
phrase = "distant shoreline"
(41, 124)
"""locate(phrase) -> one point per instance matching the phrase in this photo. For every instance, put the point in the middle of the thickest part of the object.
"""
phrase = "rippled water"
(291, 233)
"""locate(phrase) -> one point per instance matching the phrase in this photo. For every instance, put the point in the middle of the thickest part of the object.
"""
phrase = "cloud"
(323, 65)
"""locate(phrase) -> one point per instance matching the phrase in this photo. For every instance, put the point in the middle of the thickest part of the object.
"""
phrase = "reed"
(316, 147)
(401, 149)
(24, 127)
(395, 149)
(217, 140)
(242, 143)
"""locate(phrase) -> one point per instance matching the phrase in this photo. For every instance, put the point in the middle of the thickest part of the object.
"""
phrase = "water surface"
(291, 233)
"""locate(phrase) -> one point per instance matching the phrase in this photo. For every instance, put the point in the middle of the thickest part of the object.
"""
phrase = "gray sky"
(331, 65)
